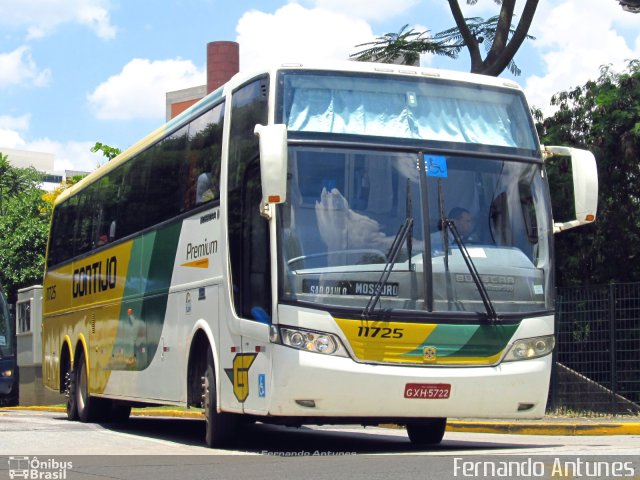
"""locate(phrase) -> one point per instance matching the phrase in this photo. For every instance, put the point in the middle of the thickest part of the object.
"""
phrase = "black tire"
(427, 432)
(219, 426)
(86, 406)
(70, 392)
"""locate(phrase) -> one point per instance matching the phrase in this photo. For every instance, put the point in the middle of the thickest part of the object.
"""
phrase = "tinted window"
(202, 175)
(165, 186)
(131, 208)
(156, 185)
(248, 235)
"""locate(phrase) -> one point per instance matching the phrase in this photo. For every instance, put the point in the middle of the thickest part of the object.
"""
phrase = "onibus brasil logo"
(37, 469)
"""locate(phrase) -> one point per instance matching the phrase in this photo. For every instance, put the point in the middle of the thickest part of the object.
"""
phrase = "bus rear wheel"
(219, 425)
(427, 432)
(70, 392)
(86, 406)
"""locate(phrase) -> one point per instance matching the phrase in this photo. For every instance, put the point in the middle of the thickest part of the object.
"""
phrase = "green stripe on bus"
(145, 297)
(162, 260)
(467, 340)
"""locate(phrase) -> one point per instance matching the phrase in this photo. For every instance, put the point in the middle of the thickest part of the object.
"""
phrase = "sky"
(77, 72)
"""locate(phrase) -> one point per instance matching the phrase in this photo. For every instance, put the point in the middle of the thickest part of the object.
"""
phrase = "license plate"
(428, 391)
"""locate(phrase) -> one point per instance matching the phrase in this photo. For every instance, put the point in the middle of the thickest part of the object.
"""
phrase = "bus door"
(249, 367)
(251, 281)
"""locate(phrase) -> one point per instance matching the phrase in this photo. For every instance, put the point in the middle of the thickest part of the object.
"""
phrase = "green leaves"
(24, 226)
(109, 152)
(404, 48)
(497, 34)
(603, 115)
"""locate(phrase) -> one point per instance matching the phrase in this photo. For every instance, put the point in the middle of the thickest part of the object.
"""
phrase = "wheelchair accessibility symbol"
(435, 166)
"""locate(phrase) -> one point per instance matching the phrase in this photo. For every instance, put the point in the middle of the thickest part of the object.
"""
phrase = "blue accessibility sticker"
(262, 385)
(435, 166)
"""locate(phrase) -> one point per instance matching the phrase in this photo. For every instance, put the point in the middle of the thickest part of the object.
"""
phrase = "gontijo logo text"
(95, 277)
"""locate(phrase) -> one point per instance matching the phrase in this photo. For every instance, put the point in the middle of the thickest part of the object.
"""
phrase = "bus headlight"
(527, 348)
(6, 373)
(312, 341)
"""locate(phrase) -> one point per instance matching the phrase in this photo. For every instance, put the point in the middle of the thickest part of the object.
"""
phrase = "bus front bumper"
(314, 385)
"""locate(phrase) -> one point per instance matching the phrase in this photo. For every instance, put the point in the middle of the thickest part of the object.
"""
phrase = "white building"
(43, 162)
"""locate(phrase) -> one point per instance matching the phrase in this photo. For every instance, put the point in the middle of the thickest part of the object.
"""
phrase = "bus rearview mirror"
(273, 162)
(572, 169)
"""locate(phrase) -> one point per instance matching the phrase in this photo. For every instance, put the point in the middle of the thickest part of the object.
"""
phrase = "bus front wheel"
(219, 425)
(427, 432)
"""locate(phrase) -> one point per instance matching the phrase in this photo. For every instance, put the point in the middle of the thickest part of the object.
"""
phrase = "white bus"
(290, 250)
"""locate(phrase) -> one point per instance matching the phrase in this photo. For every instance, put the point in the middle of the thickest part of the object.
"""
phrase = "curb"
(143, 412)
(499, 427)
(546, 428)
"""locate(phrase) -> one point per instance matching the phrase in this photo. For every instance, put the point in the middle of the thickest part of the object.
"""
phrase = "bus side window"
(85, 227)
(202, 176)
(132, 207)
(61, 241)
(107, 204)
(163, 197)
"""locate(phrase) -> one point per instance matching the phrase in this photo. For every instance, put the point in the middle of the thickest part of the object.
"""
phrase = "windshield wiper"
(492, 316)
(399, 239)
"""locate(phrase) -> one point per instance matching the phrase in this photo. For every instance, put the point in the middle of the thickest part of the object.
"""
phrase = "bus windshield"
(6, 336)
(431, 109)
(345, 207)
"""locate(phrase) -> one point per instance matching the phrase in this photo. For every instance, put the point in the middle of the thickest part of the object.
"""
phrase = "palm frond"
(405, 46)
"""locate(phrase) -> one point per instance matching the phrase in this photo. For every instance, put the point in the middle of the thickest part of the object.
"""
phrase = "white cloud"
(139, 90)
(12, 129)
(41, 17)
(573, 42)
(15, 123)
(294, 33)
(18, 67)
(70, 155)
(365, 9)
(10, 138)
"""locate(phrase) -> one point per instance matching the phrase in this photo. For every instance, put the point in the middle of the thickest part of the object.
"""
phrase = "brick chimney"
(223, 62)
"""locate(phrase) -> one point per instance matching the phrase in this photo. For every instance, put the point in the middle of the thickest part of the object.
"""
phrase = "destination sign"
(347, 287)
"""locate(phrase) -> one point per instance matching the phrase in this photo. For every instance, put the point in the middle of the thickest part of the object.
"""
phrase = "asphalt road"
(159, 448)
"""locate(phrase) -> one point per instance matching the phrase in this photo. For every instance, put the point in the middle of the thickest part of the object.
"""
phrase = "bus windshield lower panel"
(345, 208)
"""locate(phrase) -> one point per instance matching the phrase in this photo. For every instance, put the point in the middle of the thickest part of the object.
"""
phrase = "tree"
(24, 226)
(109, 152)
(497, 34)
(403, 47)
(632, 6)
(604, 117)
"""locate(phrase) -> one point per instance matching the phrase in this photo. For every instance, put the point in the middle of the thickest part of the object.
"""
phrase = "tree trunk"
(503, 49)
